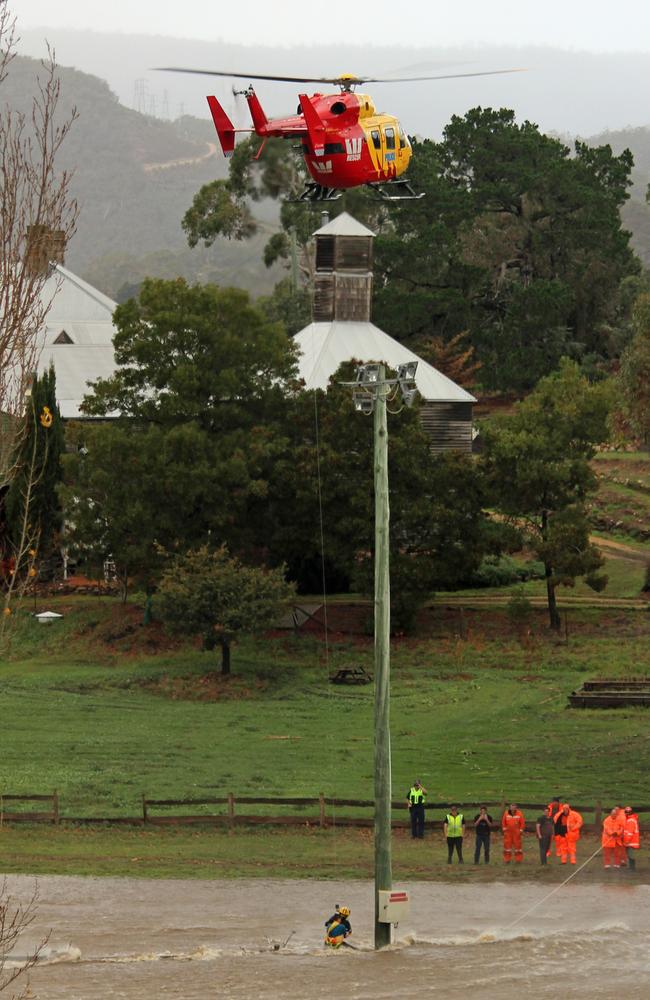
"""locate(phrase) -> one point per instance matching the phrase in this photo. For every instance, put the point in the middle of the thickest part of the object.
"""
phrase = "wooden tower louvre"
(341, 330)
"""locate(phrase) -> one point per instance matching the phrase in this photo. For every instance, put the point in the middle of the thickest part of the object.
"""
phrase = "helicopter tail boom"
(224, 126)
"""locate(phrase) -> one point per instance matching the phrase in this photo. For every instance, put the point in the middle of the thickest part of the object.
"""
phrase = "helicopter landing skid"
(403, 191)
(317, 192)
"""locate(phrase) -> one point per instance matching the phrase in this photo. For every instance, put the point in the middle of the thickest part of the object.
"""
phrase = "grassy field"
(88, 710)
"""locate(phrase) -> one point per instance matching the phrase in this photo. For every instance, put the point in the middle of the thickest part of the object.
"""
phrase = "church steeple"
(343, 280)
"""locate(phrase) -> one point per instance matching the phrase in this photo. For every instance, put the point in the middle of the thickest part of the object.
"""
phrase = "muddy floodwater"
(144, 940)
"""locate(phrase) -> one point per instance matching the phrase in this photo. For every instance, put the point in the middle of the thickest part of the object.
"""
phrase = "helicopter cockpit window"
(338, 108)
(376, 140)
(403, 141)
(390, 138)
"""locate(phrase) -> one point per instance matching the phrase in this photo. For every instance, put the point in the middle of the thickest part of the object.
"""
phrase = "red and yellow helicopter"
(345, 141)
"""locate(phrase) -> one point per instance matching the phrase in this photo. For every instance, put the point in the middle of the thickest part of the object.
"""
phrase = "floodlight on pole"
(406, 372)
(369, 374)
(363, 402)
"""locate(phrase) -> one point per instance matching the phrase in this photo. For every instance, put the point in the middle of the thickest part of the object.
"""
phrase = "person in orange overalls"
(568, 823)
(609, 838)
(631, 836)
(513, 825)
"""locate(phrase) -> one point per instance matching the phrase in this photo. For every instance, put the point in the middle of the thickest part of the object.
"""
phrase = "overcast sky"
(595, 25)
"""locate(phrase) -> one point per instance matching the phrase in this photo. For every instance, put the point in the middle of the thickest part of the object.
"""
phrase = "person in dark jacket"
(483, 826)
(545, 829)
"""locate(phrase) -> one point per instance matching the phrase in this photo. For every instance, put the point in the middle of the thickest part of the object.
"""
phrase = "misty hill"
(134, 177)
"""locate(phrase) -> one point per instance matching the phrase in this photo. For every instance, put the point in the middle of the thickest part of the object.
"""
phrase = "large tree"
(200, 385)
(319, 512)
(519, 240)
(538, 465)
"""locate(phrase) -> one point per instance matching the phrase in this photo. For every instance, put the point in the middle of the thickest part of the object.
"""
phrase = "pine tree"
(32, 501)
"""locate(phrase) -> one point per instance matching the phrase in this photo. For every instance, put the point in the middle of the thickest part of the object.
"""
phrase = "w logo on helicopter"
(353, 148)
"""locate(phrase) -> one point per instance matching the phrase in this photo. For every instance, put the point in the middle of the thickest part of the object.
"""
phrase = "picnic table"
(351, 675)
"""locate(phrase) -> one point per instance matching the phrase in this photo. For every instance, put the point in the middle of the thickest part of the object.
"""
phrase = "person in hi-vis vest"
(415, 799)
(454, 831)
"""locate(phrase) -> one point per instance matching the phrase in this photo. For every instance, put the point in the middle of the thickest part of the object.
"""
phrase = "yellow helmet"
(344, 911)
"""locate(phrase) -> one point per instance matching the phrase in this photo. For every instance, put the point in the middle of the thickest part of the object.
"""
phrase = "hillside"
(134, 176)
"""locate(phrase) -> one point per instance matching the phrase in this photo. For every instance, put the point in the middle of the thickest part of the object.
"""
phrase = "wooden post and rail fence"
(232, 810)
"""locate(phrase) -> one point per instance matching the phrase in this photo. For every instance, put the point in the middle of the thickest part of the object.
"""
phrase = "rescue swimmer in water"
(337, 927)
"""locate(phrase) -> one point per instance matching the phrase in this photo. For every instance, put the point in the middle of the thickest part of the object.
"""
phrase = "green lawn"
(484, 717)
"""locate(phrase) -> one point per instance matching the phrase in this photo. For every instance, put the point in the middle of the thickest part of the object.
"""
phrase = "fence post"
(231, 810)
(55, 807)
(598, 814)
(321, 803)
(145, 814)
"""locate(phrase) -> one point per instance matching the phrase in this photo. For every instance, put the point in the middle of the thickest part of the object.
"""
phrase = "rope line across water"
(553, 891)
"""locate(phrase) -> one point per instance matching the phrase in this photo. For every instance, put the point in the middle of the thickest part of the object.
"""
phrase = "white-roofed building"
(77, 338)
(342, 332)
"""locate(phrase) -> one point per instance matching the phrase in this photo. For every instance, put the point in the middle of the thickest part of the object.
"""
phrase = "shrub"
(503, 571)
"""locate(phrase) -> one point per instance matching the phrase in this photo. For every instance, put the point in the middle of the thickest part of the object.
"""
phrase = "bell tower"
(341, 330)
(343, 279)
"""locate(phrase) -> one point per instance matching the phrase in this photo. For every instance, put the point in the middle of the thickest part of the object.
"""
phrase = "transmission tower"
(140, 95)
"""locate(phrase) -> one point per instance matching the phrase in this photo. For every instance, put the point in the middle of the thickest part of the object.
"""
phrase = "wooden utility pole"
(371, 392)
(383, 866)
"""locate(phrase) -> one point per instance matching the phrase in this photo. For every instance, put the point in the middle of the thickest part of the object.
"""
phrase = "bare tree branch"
(15, 918)
(36, 212)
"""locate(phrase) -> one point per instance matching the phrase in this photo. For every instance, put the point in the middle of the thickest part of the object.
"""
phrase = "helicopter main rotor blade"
(445, 76)
(348, 80)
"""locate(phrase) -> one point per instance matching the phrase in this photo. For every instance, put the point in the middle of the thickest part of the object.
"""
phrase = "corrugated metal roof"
(344, 225)
(73, 294)
(325, 346)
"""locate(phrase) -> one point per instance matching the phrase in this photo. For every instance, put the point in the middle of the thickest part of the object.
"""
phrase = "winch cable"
(553, 891)
(322, 532)
(333, 838)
